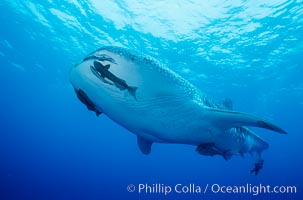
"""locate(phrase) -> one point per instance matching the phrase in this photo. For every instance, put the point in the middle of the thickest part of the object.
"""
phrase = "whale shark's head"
(126, 75)
(109, 73)
(115, 57)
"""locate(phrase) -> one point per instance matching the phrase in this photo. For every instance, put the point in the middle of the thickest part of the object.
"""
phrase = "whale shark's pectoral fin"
(227, 119)
(144, 145)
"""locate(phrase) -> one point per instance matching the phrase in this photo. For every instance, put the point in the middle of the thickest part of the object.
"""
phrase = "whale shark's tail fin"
(228, 119)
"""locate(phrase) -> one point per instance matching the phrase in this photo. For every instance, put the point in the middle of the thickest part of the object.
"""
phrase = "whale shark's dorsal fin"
(226, 119)
(144, 145)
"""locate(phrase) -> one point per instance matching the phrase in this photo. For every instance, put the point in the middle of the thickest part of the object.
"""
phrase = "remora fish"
(168, 108)
(105, 73)
(86, 101)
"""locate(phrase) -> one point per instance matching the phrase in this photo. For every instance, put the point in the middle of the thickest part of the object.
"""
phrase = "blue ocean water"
(52, 147)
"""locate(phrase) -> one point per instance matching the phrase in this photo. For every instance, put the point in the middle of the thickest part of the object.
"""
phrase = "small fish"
(103, 71)
(96, 73)
(210, 149)
(258, 167)
(86, 101)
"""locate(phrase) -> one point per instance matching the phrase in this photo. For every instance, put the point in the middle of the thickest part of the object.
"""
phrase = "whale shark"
(160, 106)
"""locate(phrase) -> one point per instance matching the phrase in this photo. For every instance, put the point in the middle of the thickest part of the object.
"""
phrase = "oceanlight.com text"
(253, 189)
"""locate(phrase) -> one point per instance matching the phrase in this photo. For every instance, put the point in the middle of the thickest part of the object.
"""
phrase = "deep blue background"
(51, 147)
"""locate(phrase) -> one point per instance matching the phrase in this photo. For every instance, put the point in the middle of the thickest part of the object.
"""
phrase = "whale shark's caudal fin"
(144, 145)
(228, 119)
